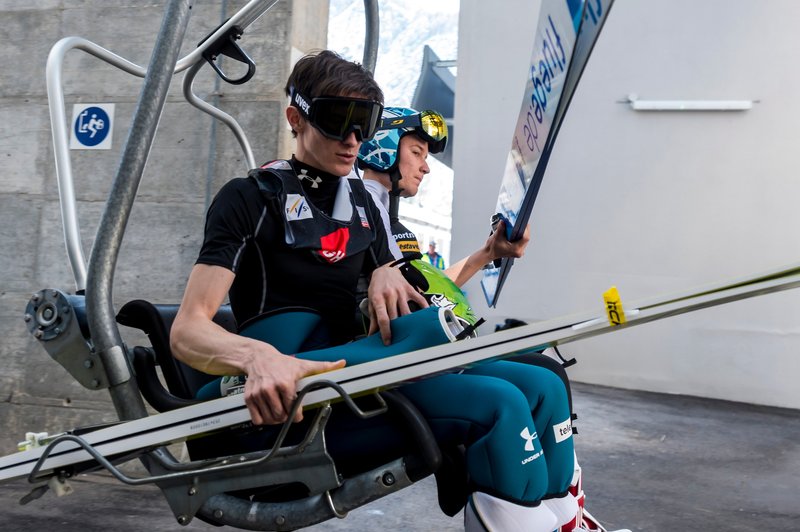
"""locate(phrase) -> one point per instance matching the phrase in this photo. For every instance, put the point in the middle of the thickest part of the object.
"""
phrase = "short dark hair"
(326, 73)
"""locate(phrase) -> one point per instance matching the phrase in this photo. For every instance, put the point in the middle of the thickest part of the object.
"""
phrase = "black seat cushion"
(156, 321)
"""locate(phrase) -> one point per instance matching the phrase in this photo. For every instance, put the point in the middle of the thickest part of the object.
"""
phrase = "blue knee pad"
(516, 423)
(549, 406)
(492, 417)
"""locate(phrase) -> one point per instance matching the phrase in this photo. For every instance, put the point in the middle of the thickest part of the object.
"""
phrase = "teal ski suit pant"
(512, 418)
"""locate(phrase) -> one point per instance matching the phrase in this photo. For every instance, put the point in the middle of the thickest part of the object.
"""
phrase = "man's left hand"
(499, 247)
(389, 294)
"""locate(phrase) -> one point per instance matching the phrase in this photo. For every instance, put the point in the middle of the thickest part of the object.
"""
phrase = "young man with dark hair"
(298, 233)
(246, 255)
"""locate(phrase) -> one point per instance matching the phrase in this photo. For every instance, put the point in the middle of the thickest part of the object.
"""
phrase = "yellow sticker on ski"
(614, 312)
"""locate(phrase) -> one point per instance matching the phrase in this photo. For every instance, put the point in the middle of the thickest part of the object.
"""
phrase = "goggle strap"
(301, 102)
(415, 121)
(399, 122)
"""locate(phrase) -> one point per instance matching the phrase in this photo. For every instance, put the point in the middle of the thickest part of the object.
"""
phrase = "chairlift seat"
(422, 455)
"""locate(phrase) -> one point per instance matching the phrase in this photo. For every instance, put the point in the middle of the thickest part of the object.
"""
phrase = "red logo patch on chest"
(333, 247)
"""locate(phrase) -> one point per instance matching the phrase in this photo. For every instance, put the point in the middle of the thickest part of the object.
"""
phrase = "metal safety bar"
(372, 34)
(219, 114)
(96, 278)
(251, 460)
(193, 62)
(55, 94)
(109, 236)
(103, 329)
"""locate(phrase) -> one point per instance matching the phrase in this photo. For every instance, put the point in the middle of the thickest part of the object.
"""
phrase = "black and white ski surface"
(178, 425)
(565, 38)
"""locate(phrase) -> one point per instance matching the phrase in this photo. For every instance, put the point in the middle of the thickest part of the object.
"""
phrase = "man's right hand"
(271, 386)
(196, 340)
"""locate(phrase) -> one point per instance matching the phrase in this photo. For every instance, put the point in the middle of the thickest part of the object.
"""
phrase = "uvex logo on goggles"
(336, 117)
(302, 104)
(429, 125)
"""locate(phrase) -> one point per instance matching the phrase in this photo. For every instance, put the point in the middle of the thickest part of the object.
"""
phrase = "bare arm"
(497, 246)
(199, 342)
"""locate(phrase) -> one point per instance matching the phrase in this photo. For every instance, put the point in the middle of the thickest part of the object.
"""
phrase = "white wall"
(650, 202)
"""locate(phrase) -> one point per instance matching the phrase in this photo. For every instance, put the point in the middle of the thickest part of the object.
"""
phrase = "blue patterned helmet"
(380, 152)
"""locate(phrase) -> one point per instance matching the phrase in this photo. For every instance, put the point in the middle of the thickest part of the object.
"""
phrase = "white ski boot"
(485, 513)
(583, 521)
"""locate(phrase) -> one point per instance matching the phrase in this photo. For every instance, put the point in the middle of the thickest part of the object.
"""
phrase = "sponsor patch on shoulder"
(278, 164)
(408, 246)
(563, 430)
(297, 208)
(363, 215)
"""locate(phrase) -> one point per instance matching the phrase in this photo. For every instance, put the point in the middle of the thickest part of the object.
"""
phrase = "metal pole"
(372, 34)
(100, 310)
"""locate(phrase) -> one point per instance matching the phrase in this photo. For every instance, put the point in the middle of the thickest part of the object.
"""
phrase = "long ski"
(143, 434)
(565, 38)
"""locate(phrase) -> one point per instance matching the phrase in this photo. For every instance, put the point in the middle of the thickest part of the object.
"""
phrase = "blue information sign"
(92, 126)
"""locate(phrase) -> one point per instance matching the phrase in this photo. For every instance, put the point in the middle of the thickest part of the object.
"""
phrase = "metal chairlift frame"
(94, 278)
(181, 482)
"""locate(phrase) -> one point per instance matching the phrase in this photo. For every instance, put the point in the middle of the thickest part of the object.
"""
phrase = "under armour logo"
(315, 181)
(528, 437)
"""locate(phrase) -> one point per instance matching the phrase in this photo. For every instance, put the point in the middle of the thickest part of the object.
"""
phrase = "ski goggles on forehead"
(336, 116)
(429, 125)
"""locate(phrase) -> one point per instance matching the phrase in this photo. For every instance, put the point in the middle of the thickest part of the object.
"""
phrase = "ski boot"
(584, 521)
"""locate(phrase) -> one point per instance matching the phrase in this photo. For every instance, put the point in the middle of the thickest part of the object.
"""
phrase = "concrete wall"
(190, 160)
(653, 203)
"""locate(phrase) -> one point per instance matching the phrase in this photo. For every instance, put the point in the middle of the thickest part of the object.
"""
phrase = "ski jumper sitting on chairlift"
(299, 233)
(394, 164)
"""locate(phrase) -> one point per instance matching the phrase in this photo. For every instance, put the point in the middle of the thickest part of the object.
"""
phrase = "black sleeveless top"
(285, 251)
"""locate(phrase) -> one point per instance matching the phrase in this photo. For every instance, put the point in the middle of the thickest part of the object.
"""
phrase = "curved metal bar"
(334, 511)
(99, 458)
(53, 73)
(371, 35)
(215, 112)
(324, 383)
(182, 470)
(248, 14)
(189, 470)
(58, 121)
(100, 276)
